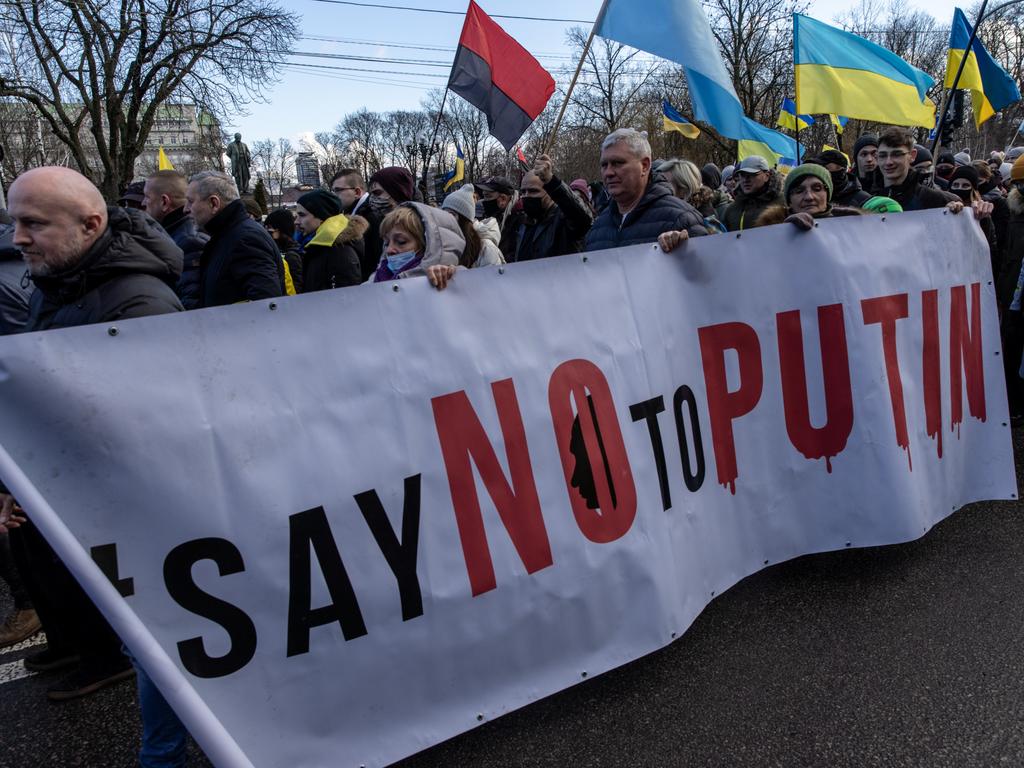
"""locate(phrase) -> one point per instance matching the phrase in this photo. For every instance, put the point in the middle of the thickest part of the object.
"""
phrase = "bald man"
(163, 198)
(69, 239)
(90, 264)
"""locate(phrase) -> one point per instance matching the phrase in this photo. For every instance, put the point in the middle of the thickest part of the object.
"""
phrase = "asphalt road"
(910, 655)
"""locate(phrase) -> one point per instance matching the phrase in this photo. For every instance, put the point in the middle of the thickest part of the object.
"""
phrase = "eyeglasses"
(896, 154)
(336, 190)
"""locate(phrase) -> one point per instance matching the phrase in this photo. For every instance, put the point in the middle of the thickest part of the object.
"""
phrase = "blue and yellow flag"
(839, 122)
(673, 121)
(678, 30)
(458, 173)
(991, 87)
(789, 119)
(841, 73)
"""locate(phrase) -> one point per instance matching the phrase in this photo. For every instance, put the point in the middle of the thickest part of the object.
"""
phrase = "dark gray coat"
(561, 230)
(15, 288)
(241, 262)
(186, 235)
(659, 210)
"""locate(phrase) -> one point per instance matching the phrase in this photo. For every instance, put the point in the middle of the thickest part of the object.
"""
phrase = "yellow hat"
(1017, 172)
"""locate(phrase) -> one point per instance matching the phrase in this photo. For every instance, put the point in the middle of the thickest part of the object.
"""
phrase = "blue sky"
(309, 99)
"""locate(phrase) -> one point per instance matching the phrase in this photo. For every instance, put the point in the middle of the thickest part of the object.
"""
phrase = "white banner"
(352, 524)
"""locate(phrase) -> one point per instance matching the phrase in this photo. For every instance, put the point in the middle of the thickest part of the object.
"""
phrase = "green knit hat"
(879, 204)
(802, 171)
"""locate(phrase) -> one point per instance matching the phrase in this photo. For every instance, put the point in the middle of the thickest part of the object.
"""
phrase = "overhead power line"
(449, 13)
(347, 57)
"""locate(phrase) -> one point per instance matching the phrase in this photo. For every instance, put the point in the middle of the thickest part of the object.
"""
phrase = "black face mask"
(533, 207)
(964, 194)
(491, 209)
(838, 179)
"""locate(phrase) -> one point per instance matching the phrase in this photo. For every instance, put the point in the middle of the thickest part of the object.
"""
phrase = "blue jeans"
(163, 735)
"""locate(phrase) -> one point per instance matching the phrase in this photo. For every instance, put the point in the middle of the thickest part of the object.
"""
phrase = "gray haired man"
(642, 207)
(241, 261)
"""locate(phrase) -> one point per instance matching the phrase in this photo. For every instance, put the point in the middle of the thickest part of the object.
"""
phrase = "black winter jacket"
(659, 210)
(915, 196)
(129, 272)
(186, 235)
(241, 261)
(1013, 250)
(560, 231)
(15, 287)
(373, 246)
(745, 210)
(337, 265)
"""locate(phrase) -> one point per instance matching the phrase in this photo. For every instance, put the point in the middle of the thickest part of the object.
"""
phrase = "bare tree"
(274, 163)
(98, 71)
(361, 132)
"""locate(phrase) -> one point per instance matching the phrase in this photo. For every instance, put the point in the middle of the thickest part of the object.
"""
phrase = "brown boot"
(20, 625)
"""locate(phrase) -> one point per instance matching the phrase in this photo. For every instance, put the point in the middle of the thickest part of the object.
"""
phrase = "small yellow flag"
(162, 163)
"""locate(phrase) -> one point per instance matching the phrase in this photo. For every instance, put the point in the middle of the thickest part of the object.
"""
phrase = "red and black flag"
(499, 77)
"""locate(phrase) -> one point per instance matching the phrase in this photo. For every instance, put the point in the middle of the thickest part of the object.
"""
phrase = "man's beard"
(55, 264)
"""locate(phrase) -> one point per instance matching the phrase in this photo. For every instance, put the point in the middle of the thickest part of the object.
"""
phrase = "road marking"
(38, 639)
(13, 671)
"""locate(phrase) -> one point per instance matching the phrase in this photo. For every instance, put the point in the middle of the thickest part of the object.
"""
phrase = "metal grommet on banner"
(738, 235)
(501, 270)
(273, 306)
(848, 544)
(585, 258)
(583, 674)
(394, 288)
(766, 562)
(479, 717)
(112, 331)
(883, 218)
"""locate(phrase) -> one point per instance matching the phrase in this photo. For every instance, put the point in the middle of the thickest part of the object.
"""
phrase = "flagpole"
(572, 84)
(956, 80)
(796, 94)
(433, 138)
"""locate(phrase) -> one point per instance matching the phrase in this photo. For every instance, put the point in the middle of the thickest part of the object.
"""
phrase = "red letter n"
(965, 354)
(462, 436)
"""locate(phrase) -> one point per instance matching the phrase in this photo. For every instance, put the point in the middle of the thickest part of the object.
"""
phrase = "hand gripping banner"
(349, 525)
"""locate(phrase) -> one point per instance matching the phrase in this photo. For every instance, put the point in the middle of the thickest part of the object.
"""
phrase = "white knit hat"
(461, 201)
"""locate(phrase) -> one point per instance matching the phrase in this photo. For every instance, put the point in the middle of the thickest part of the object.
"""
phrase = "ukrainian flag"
(839, 122)
(459, 173)
(746, 148)
(992, 89)
(673, 121)
(839, 72)
(789, 119)
(678, 30)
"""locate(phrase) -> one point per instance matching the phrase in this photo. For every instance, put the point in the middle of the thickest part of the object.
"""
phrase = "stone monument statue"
(240, 159)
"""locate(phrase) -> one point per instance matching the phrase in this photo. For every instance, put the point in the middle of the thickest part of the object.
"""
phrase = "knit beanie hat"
(321, 203)
(461, 201)
(803, 171)
(727, 172)
(397, 182)
(968, 172)
(833, 156)
(282, 220)
(962, 158)
(1005, 170)
(1017, 171)
(867, 140)
(924, 155)
(253, 208)
(881, 204)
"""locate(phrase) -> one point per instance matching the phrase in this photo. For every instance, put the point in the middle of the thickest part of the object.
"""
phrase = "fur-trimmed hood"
(1015, 201)
(339, 230)
(776, 214)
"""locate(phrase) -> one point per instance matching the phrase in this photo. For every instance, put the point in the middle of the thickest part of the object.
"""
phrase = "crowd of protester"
(173, 243)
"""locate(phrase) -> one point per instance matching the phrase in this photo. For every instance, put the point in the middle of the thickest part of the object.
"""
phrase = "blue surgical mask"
(398, 261)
